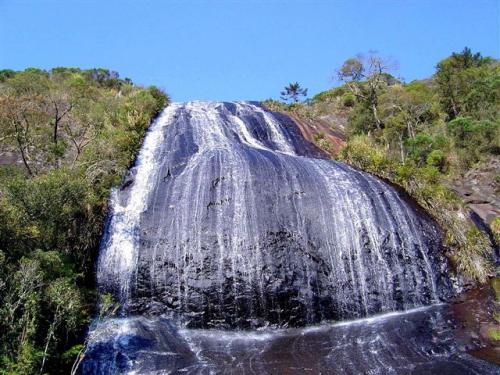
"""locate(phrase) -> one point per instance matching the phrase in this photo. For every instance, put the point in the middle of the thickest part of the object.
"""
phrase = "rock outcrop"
(232, 219)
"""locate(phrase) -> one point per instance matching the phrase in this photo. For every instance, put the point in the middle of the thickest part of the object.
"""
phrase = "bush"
(472, 258)
(329, 94)
(53, 206)
(363, 153)
(360, 120)
(495, 228)
(436, 159)
(348, 99)
(420, 147)
(474, 139)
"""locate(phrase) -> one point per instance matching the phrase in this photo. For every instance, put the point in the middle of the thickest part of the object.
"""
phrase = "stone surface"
(319, 128)
(417, 342)
(230, 218)
(479, 188)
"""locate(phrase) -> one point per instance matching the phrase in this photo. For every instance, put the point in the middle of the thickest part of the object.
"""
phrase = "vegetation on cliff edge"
(66, 138)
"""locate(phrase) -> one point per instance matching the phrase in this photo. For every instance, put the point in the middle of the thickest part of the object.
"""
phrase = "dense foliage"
(422, 136)
(67, 137)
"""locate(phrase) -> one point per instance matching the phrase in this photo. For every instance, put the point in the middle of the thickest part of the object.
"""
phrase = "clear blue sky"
(240, 50)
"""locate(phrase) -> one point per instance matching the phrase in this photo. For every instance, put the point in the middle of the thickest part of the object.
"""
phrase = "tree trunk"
(56, 123)
(453, 107)
(79, 359)
(57, 119)
(411, 133)
(401, 148)
(46, 350)
(375, 115)
(21, 144)
(23, 155)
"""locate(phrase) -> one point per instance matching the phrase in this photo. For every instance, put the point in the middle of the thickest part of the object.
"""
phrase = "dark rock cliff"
(232, 219)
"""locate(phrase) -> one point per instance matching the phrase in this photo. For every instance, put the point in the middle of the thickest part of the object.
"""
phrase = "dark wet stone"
(244, 224)
(419, 342)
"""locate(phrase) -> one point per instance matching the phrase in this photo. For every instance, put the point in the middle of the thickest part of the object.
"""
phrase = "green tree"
(367, 76)
(464, 84)
(293, 92)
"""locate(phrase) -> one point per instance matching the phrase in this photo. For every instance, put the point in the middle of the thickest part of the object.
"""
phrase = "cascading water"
(230, 219)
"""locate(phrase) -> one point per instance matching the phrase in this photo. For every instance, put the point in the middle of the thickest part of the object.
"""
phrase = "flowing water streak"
(119, 255)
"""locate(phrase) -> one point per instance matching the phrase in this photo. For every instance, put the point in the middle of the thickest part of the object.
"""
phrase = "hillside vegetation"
(422, 136)
(67, 136)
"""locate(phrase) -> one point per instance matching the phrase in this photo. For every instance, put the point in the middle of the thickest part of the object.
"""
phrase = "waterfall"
(233, 243)
(232, 219)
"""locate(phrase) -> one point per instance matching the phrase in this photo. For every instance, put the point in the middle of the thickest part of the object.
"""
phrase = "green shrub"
(329, 94)
(494, 333)
(348, 99)
(363, 153)
(420, 147)
(474, 139)
(360, 120)
(495, 228)
(436, 158)
(472, 259)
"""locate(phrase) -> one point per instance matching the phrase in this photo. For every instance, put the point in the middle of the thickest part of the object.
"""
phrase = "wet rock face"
(118, 344)
(232, 219)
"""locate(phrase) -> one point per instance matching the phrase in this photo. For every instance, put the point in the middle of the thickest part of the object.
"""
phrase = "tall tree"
(20, 118)
(293, 92)
(461, 83)
(367, 76)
